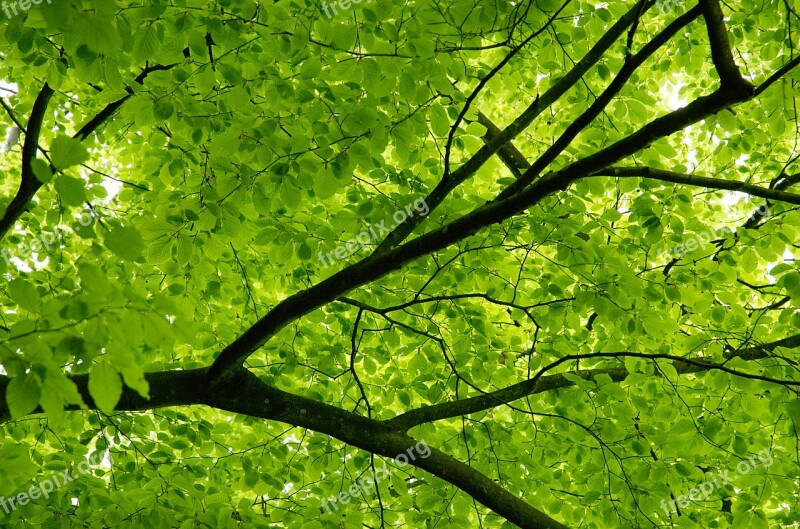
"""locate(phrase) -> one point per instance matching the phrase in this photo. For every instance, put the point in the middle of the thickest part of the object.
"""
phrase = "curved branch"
(28, 182)
(253, 397)
(541, 383)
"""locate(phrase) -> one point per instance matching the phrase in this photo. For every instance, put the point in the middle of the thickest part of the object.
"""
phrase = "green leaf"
(304, 251)
(93, 279)
(126, 242)
(41, 170)
(739, 446)
(24, 294)
(290, 193)
(105, 386)
(163, 110)
(22, 395)
(440, 123)
(147, 42)
(793, 407)
(66, 152)
(791, 282)
(749, 520)
(71, 190)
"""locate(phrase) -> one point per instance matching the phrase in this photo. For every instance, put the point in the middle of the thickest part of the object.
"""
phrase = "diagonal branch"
(104, 115)
(778, 74)
(514, 160)
(553, 94)
(541, 383)
(380, 264)
(11, 115)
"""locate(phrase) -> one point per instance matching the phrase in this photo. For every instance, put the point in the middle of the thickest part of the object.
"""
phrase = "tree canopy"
(400, 264)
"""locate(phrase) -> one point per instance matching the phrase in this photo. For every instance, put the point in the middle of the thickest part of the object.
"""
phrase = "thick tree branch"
(541, 383)
(389, 257)
(721, 54)
(167, 388)
(248, 395)
(661, 127)
(785, 181)
(379, 264)
(253, 397)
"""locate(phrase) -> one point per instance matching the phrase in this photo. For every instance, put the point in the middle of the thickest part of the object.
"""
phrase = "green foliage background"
(267, 134)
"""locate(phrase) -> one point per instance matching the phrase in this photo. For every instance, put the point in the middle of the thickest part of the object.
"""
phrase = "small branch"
(109, 110)
(699, 181)
(353, 351)
(514, 160)
(10, 113)
(541, 383)
(120, 180)
(783, 70)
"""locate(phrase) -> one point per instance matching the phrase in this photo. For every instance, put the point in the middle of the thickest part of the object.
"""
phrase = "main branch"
(248, 395)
